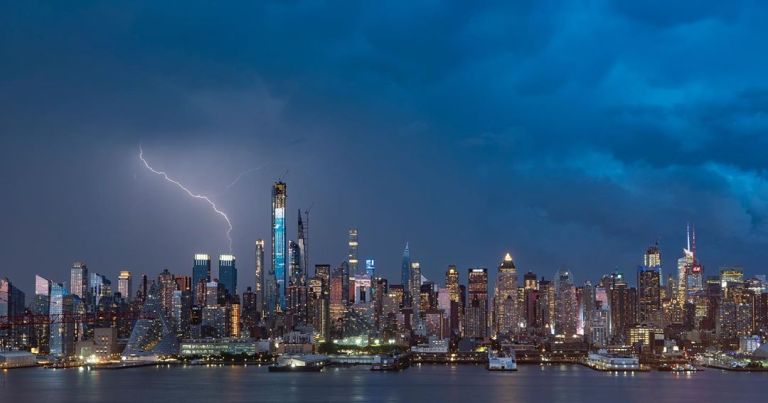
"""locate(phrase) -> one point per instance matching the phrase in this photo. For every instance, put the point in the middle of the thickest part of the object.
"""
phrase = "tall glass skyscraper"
(201, 274)
(278, 239)
(78, 280)
(62, 329)
(228, 274)
(295, 275)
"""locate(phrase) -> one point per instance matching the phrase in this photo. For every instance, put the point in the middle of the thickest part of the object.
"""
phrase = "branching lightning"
(190, 194)
(237, 179)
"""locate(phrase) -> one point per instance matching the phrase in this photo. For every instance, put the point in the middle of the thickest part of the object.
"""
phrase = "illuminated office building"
(476, 311)
(100, 287)
(505, 298)
(566, 312)
(228, 274)
(201, 274)
(78, 280)
(649, 295)
(652, 258)
(125, 285)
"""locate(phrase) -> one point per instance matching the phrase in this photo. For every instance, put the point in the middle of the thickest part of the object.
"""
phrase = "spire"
(693, 244)
(406, 251)
(688, 235)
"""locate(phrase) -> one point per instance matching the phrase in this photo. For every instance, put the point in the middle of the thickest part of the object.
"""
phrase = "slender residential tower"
(352, 256)
(405, 275)
(302, 242)
(279, 240)
(259, 271)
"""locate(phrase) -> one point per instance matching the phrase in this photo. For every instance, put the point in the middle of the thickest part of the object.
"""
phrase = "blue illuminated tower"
(278, 239)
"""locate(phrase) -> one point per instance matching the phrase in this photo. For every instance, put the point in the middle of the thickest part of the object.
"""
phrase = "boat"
(603, 361)
(502, 361)
(678, 368)
(306, 363)
(383, 362)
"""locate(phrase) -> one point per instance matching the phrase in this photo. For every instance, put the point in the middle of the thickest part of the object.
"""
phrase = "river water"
(421, 383)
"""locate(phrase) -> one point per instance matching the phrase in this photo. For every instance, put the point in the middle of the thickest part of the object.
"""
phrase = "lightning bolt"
(237, 179)
(190, 194)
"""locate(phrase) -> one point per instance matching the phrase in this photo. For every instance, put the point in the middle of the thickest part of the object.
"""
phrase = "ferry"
(602, 361)
(502, 361)
(306, 363)
(384, 362)
(678, 368)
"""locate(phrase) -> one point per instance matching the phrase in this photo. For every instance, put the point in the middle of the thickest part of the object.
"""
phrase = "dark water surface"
(425, 383)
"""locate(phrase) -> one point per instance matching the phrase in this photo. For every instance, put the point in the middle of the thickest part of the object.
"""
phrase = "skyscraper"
(405, 275)
(11, 307)
(62, 328)
(319, 301)
(166, 283)
(78, 280)
(505, 298)
(295, 273)
(100, 287)
(477, 304)
(684, 265)
(279, 196)
(415, 283)
(352, 255)
(530, 300)
(261, 280)
(228, 274)
(566, 312)
(695, 274)
(302, 241)
(649, 295)
(40, 308)
(652, 258)
(201, 274)
(125, 285)
(370, 268)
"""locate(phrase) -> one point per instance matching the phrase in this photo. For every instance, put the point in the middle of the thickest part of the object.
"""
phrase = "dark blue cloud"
(572, 133)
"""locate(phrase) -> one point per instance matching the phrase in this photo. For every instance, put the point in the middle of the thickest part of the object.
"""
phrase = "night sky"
(572, 134)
